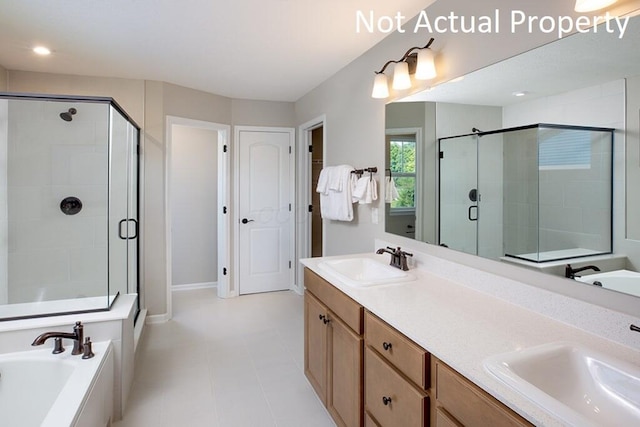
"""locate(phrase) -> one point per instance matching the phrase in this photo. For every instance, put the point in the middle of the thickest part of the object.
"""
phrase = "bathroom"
(353, 122)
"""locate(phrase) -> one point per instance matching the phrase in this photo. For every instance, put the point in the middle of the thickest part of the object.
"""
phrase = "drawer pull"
(386, 400)
(386, 346)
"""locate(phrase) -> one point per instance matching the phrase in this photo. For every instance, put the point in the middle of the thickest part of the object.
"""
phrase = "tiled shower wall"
(52, 255)
(564, 192)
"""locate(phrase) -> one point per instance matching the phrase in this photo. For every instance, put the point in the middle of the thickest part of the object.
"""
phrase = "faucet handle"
(57, 346)
(87, 351)
(402, 253)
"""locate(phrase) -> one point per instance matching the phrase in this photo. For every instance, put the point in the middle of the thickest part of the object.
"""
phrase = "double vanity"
(386, 347)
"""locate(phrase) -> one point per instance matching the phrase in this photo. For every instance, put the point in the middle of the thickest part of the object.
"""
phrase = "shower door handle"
(135, 229)
(122, 221)
(126, 236)
(469, 213)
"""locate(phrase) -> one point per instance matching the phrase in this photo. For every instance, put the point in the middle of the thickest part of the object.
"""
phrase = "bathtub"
(620, 280)
(38, 388)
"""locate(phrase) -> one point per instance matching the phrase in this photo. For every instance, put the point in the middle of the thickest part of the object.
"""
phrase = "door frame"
(235, 276)
(303, 219)
(223, 200)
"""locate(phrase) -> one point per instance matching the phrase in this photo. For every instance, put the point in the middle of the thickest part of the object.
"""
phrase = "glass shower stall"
(538, 193)
(68, 204)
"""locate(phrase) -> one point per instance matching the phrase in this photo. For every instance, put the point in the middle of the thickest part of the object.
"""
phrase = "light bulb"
(591, 5)
(401, 79)
(380, 86)
(426, 68)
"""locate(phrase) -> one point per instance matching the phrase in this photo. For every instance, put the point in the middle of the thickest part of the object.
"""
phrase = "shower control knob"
(70, 205)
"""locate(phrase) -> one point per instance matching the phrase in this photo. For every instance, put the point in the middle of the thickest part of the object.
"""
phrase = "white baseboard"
(192, 286)
(158, 318)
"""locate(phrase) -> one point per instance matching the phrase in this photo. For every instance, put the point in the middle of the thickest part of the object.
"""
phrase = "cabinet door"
(345, 380)
(315, 345)
(391, 399)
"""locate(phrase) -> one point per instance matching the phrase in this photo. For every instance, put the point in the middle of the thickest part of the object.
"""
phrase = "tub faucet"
(398, 257)
(570, 272)
(77, 336)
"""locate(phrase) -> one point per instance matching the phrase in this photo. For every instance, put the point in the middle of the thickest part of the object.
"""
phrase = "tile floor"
(225, 363)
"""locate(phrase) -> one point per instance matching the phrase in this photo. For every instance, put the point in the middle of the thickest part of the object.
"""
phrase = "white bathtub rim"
(83, 378)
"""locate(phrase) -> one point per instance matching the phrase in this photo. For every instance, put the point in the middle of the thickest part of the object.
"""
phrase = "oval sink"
(363, 272)
(580, 386)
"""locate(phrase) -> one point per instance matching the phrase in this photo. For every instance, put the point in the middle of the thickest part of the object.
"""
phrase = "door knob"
(245, 220)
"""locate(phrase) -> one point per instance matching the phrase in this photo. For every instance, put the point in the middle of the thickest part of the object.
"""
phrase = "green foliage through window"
(402, 159)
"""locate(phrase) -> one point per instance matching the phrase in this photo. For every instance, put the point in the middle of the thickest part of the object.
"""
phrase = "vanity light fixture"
(420, 63)
(591, 5)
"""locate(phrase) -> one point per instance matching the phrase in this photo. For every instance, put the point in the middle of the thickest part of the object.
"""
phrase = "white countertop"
(462, 326)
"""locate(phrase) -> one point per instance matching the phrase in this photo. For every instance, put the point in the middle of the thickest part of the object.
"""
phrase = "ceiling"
(578, 61)
(250, 49)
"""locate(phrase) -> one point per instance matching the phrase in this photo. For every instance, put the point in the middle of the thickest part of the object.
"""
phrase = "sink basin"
(578, 385)
(363, 272)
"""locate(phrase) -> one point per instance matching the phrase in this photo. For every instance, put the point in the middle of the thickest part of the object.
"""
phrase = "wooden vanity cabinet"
(369, 374)
(333, 349)
(396, 377)
(459, 402)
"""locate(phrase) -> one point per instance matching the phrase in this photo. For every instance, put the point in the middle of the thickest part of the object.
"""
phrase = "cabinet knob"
(386, 346)
(326, 320)
(321, 317)
(386, 400)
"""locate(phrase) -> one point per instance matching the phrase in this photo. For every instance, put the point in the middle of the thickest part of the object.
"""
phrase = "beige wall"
(3, 79)
(148, 103)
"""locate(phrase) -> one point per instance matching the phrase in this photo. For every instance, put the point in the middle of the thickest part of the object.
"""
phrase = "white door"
(264, 210)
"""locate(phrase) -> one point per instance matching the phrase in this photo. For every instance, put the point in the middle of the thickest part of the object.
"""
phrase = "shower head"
(67, 116)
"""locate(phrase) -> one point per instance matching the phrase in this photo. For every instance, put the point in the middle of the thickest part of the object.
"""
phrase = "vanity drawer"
(404, 354)
(470, 405)
(368, 421)
(408, 406)
(344, 307)
(443, 419)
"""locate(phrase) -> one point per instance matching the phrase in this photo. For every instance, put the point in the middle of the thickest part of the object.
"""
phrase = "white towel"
(323, 182)
(360, 189)
(335, 178)
(390, 190)
(337, 205)
(368, 187)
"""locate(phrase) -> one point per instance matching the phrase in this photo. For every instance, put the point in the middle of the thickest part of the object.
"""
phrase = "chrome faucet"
(77, 336)
(398, 257)
(570, 272)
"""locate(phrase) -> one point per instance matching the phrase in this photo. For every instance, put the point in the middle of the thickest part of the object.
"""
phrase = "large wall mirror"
(530, 161)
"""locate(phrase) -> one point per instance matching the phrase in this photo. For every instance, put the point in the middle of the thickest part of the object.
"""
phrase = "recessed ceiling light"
(41, 50)
(520, 93)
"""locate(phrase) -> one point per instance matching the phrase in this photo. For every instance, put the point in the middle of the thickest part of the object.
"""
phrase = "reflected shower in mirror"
(581, 81)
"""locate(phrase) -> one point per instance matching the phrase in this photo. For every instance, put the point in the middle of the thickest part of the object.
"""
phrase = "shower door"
(458, 207)
(123, 206)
